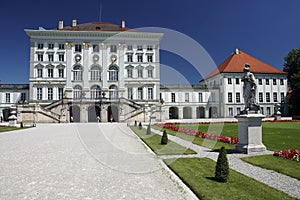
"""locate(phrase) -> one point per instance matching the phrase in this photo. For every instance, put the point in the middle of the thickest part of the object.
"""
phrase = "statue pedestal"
(250, 133)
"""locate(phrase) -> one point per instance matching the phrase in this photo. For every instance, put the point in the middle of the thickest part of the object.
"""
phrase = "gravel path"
(82, 161)
(276, 180)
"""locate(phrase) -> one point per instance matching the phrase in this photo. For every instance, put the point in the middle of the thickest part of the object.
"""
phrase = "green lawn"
(283, 166)
(198, 175)
(153, 141)
(7, 128)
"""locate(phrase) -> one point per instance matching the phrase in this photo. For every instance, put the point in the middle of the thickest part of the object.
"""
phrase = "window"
(229, 81)
(60, 93)
(39, 72)
(50, 73)
(268, 97)
(200, 97)
(50, 93)
(40, 57)
(40, 45)
(50, 57)
(229, 97)
(237, 81)
(281, 82)
(113, 92)
(129, 47)
(61, 57)
(77, 92)
(129, 72)
(140, 73)
(230, 111)
(268, 111)
(95, 92)
(150, 93)
(129, 93)
(7, 97)
(260, 97)
(150, 73)
(95, 73)
(275, 97)
(23, 96)
(113, 48)
(61, 46)
(140, 93)
(60, 73)
(77, 73)
(262, 110)
(113, 73)
(129, 57)
(173, 97)
(140, 48)
(274, 81)
(140, 57)
(281, 96)
(259, 81)
(238, 97)
(78, 47)
(50, 46)
(95, 48)
(39, 93)
(238, 110)
(267, 82)
(149, 48)
(186, 97)
(150, 58)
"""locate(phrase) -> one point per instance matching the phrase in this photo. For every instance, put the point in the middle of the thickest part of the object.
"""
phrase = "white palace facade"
(94, 71)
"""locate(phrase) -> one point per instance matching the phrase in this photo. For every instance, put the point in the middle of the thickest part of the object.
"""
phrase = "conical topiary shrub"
(222, 167)
(135, 123)
(148, 132)
(164, 138)
(140, 125)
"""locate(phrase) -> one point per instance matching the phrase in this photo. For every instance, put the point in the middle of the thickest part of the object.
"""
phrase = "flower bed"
(225, 139)
(292, 154)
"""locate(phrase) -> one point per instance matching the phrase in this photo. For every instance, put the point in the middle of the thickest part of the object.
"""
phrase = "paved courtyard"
(82, 161)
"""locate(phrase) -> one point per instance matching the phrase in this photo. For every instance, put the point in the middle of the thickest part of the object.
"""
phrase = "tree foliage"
(222, 167)
(292, 67)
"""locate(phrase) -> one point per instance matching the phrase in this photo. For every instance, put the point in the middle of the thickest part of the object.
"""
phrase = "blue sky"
(265, 29)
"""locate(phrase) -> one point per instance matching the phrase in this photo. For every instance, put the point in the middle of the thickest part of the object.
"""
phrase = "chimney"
(237, 51)
(123, 24)
(74, 22)
(60, 24)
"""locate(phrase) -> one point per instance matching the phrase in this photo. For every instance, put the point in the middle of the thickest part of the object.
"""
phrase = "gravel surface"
(82, 161)
(281, 182)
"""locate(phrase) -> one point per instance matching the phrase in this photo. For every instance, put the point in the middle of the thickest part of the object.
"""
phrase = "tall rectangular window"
(61, 57)
(238, 110)
(275, 97)
(39, 72)
(140, 57)
(149, 58)
(23, 96)
(113, 48)
(230, 111)
(60, 73)
(50, 46)
(200, 97)
(260, 97)
(238, 97)
(229, 81)
(237, 81)
(140, 73)
(274, 81)
(268, 111)
(95, 48)
(259, 81)
(281, 82)
(150, 73)
(39, 93)
(78, 47)
(129, 73)
(61, 46)
(40, 57)
(129, 93)
(140, 93)
(40, 45)
(187, 97)
(267, 82)
(129, 58)
(173, 97)
(50, 73)
(229, 97)
(150, 93)
(50, 93)
(50, 57)
(268, 97)
(262, 110)
(281, 96)
(60, 93)
(7, 97)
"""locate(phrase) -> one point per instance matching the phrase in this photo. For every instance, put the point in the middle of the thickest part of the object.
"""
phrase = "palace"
(99, 71)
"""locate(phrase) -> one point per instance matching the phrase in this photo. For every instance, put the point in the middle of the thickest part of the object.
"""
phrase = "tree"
(164, 138)
(222, 167)
(148, 132)
(292, 67)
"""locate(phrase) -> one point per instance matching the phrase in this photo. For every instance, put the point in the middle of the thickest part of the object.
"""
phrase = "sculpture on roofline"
(249, 92)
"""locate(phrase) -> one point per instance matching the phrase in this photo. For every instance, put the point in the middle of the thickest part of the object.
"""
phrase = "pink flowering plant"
(292, 154)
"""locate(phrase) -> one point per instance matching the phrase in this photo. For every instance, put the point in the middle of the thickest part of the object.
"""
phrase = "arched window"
(77, 73)
(77, 92)
(113, 92)
(113, 73)
(95, 92)
(95, 73)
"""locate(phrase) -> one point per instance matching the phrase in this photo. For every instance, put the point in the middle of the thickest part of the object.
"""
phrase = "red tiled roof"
(236, 62)
(95, 26)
